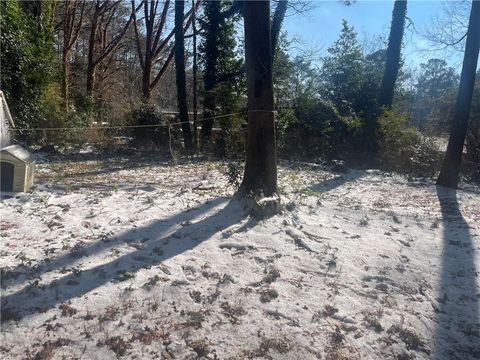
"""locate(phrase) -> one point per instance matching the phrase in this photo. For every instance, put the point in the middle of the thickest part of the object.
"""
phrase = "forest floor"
(133, 259)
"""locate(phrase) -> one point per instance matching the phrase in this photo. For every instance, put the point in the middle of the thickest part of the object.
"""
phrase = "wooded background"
(78, 64)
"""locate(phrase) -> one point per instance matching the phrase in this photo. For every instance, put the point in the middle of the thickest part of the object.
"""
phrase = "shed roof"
(18, 152)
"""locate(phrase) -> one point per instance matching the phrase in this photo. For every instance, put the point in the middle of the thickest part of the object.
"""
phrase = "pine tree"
(436, 81)
(342, 71)
(220, 64)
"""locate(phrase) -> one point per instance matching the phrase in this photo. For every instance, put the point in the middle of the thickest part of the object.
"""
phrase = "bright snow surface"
(146, 261)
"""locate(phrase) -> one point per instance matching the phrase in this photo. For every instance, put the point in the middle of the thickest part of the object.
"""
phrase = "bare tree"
(105, 37)
(71, 23)
(154, 47)
(453, 157)
(261, 166)
(448, 28)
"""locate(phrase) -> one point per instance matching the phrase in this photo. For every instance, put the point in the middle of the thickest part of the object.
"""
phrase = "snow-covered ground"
(139, 260)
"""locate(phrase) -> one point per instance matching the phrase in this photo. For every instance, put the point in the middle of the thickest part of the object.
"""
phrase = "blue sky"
(320, 26)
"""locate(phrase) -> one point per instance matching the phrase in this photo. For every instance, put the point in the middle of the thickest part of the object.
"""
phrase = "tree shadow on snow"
(337, 181)
(457, 334)
(160, 228)
(154, 243)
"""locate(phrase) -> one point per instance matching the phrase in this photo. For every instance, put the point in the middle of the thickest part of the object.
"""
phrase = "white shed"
(17, 165)
(17, 169)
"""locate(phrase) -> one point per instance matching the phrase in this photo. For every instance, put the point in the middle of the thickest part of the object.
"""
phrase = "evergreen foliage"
(223, 70)
(342, 70)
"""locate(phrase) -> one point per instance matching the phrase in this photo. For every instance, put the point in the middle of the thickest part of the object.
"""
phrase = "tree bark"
(195, 78)
(260, 175)
(91, 50)
(451, 165)
(392, 64)
(71, 30)
(146, 89)
(180, 75)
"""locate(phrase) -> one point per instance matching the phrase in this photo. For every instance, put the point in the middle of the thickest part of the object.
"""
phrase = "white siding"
(4, 134)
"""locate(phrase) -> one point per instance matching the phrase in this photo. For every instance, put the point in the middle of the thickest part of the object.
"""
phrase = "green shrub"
(231, 143)
(51, 114)
(234, 174)
(82, 102)
(471, 163)
(147, 137)
(402, 148)
(313, 130)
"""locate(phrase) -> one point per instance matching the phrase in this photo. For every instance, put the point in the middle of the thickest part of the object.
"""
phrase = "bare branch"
(448, 29)
(163, 20)
(164, 68)
(137, 34)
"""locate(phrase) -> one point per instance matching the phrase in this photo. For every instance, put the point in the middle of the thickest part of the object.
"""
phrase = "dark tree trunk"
(146, 89)
(209, 76)
(72, 24)
(451, 165)
(392, 64)
(260, 175)
(277, 21)
(147, 69)
(195, 79)
(91, 52)
(180, 75)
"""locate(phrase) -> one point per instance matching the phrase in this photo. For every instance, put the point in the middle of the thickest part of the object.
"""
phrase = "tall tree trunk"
(392, 64)
(146, 81)
(71, 29)
(451, 165)
(261, 166)
(147, 70)
(180, 75)
(277, 21)
(195, 79)
(209, 76)
(91, 52)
